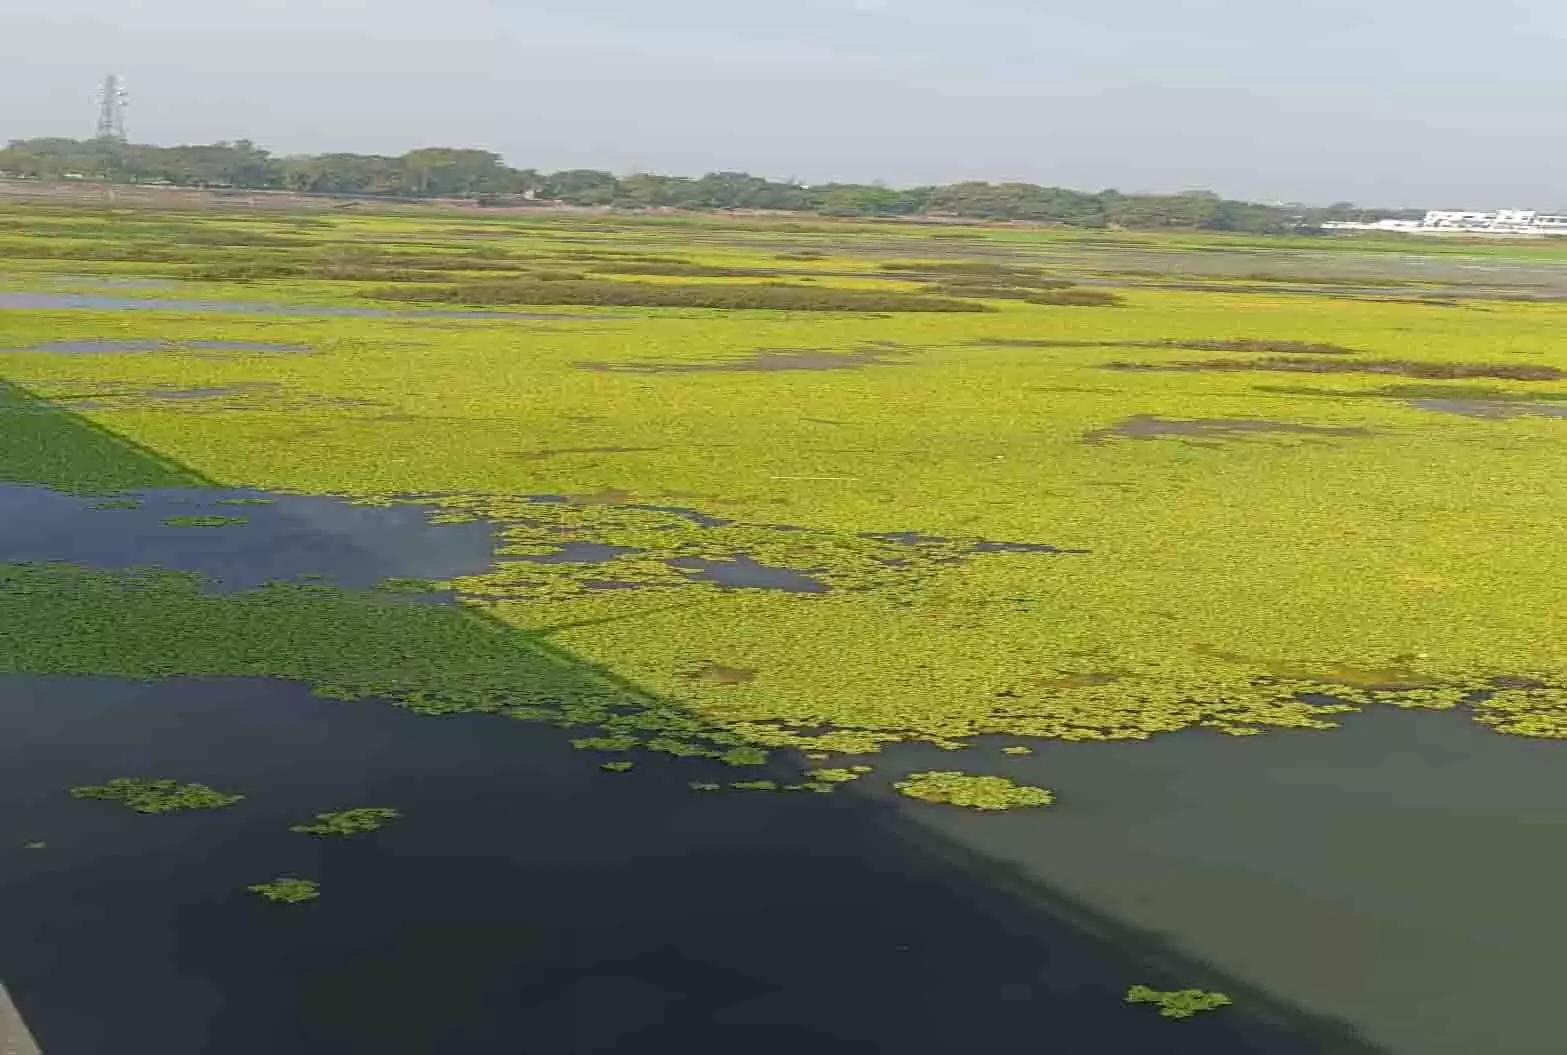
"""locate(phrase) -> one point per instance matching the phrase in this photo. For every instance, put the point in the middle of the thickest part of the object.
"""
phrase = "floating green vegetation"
(618, 767)
(972, 791)
(118, 503)
(698, 785)
(755, 785)
(408, 586)
(204, 521)
(286, 890)
(1017, 749)
(606, 743)
(244, 502)
(837, 776)
(773, 296)
(1238, 588)
(156, 796)
(349, 822)
(1180, 1003)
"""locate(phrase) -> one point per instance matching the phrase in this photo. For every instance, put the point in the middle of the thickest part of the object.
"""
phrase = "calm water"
(527, 902)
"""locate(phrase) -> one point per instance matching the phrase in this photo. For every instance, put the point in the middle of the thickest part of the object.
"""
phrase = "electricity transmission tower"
(112, 100)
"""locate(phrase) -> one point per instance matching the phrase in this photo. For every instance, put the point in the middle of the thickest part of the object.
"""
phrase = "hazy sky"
(1399, 102)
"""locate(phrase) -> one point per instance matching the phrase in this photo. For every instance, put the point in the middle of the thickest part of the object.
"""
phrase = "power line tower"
(112, 100)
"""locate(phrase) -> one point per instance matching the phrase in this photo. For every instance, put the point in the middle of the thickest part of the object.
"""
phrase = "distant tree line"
(444, 172)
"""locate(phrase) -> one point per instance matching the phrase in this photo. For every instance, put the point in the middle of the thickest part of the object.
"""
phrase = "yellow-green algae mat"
(1254, 580)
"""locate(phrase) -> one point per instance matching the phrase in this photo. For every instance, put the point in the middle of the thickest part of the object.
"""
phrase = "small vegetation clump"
(622, 742)
(618, 767)
(286, 890)
(837, 776)
(973, 791)
(406, 586)
(156, 796)
(1180, 1003)
(349, 822)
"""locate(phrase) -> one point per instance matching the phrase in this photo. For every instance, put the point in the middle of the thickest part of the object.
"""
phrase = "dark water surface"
(527, 902)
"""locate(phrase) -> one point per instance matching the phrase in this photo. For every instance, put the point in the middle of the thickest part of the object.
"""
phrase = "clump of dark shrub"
(772, 296)
(244, 271)
(954, 267)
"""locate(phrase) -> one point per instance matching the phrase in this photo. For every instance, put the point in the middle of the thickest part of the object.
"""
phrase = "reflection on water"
(1403, 872)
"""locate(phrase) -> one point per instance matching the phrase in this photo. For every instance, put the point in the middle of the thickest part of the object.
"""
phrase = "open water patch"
(324, 540)
(16, 300)
(459, 929)
(1146, 426)
(1399, 873)
(1492, 409)
(742, 572)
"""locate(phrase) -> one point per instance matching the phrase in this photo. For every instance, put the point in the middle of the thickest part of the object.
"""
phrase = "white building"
(1502, 221)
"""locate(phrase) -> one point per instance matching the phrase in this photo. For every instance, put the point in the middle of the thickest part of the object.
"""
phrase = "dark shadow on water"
(528, 901)
(526, 894)
(289, 538)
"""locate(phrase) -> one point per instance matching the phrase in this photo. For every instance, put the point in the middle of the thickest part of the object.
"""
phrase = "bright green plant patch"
(156, 796)
(1281, 555)
(972, 791)
(286, 890)
(1181, 1003)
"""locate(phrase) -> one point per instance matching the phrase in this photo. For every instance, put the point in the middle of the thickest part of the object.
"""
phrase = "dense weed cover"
(1363, 551)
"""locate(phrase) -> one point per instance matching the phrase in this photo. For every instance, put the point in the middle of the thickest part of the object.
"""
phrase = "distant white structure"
(1502, 221)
